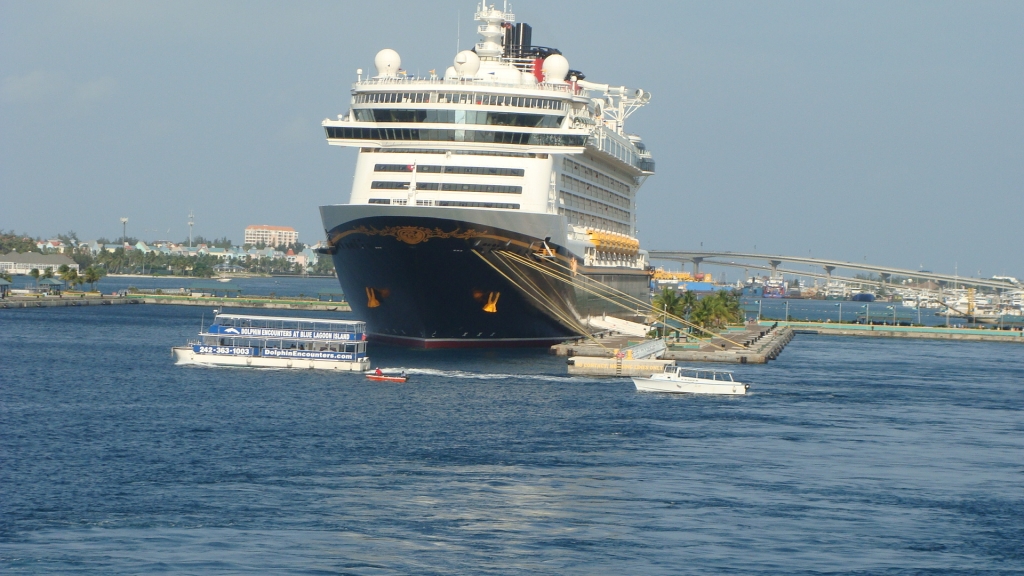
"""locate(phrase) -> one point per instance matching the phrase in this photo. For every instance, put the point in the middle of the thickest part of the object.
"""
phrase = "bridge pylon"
(696, 266)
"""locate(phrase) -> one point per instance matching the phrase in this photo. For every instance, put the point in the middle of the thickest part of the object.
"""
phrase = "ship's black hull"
(433, 282)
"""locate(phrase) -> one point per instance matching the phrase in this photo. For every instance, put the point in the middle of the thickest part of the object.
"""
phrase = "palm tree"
(717, 311)
(34, 273)
(48, 273)
(687, 303)
(69, 275)
(91, 276)
(667, 302)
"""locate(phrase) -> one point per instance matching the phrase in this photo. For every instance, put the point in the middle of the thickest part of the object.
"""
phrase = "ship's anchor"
(492, 302)
(371, 298)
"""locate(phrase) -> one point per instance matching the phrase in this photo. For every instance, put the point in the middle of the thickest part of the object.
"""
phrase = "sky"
(886, 132)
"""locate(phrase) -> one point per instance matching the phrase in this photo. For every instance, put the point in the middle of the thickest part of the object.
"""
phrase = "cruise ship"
(490, 201)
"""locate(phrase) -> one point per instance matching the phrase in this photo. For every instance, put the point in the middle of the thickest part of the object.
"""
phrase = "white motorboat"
(682, 380)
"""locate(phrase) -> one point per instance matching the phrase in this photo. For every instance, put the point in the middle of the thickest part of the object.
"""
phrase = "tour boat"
(278, 342)
(681, 380)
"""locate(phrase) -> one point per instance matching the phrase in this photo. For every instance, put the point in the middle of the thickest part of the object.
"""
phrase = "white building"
(270, 235)
(15, 263)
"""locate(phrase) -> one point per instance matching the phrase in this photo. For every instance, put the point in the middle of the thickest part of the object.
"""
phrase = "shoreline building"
(270, 235)
(15, 263)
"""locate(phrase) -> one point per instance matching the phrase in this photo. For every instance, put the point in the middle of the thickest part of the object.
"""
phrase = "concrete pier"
(751, 344)
(924, 332)
(591, 366)
(62, 302)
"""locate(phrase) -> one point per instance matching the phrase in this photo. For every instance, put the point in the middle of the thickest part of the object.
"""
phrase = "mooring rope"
(651, 309)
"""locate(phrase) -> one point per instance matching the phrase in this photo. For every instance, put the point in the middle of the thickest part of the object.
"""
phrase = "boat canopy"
(289, 323)
(702, 373)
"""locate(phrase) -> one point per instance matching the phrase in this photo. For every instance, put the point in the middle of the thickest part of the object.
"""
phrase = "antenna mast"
(191, 221)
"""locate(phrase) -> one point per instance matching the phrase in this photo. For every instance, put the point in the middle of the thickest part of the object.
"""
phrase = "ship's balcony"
(622, 149)
(438, 82)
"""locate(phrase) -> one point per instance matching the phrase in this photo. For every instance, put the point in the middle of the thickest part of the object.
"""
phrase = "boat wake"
(485, 376)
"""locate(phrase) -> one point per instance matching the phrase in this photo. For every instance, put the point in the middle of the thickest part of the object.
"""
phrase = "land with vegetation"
(711, 312)
(121, 261)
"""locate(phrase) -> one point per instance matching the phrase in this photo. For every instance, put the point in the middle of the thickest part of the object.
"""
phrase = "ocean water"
(849, 455)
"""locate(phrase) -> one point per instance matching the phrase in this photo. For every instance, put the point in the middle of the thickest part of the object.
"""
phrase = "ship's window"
(460, 117)
(482, 188)
(380, 200)
(475, 170)
(380, 185)
(427, 185)
(459, 204)
(393, 168)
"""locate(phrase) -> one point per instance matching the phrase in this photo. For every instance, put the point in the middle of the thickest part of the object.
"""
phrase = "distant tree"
(11, 242)
(48, 273)
(34, 273)
(91, 276)
(687, 303)
(324, 266)
(67, 273)
(203, 267)
(667, 301)
(70, 238)
(83, 259)
(6, 275)
(718, 310)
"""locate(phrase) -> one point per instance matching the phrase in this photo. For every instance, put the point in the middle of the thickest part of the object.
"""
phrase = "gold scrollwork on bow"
(415, 234)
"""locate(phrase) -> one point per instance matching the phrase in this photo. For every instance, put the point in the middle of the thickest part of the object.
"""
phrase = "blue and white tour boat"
(278, 342)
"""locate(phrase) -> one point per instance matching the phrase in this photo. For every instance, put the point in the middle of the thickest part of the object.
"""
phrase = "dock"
(922, 332)
(749, 344)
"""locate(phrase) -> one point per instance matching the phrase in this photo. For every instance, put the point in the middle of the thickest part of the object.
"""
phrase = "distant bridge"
(885, 272)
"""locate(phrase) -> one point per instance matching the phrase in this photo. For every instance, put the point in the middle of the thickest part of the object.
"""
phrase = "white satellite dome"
(467, 63)
(555, 68)
(451, 74)
(387, 62)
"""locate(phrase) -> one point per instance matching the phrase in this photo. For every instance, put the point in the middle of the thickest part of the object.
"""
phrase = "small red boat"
(385, 378)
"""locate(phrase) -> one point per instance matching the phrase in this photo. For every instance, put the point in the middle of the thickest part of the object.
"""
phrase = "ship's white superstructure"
(507, 127)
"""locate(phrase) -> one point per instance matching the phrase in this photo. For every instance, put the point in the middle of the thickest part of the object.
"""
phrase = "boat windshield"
(717, 375)
(286, 323)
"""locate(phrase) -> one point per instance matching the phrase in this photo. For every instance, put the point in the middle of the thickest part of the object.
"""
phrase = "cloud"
(298, 130)
(95, 90)
(37, 85)
(42, 85)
